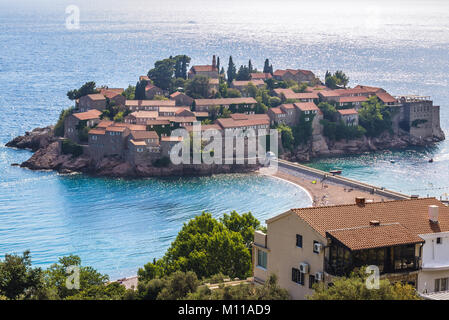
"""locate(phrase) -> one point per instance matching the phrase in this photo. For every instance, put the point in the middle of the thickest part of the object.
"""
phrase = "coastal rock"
(37, 139)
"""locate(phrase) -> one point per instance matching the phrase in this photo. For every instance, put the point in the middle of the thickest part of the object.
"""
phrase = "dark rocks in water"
(15, 164)
(37, 139)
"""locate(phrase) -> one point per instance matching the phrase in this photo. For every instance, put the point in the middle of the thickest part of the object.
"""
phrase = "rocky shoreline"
(322, 147)
(47, 156)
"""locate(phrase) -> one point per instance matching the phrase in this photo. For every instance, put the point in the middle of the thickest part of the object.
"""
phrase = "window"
(261, 259)
(297, 276)
(299, 241)
(315, 251)
(311, 281)
(439, 240)
(441, 284)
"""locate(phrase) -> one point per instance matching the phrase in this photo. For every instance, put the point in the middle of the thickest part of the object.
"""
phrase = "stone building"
(181, 99)
(76, 121)
(209, 71)
(295, 75)
(91, 101)
(349, 116)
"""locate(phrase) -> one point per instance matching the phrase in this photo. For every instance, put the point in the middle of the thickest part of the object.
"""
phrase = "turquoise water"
(117, 225)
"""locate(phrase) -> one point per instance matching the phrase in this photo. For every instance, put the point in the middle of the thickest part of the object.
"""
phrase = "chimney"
(214, 62)
(360, 201)
(433, 213)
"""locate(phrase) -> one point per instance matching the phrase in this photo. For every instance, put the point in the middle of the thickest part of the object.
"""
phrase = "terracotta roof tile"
(368, 237)
(88, 115)
(411, 214)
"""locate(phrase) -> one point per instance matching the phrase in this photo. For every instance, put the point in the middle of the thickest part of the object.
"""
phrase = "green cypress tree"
(231, 70)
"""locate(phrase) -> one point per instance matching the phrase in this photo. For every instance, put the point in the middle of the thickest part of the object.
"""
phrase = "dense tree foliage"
(207, 246)
(18, 280)
(337, 80)
(269, 291)
(244, 73)
(375, 117)
(59, 127)
(354, 288)
(198, 87)
(167, 70)
(129, 92)
(87, 88)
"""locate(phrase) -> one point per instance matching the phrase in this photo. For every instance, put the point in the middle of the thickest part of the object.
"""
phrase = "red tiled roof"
(276, 110)
(135, 127)
(139, 135)
(251, 120)
(96, 96)
(260, 75)
(385, 97)
(150, 103)
(306, 106)
(88, 115)
(208, 68)
(104, 124)
(97, 131)
(411, 214)
(368, 237)
(111, 93)
(347, 111)
(353, 99)
(157, 122)
(224, 101)
(145, 114)
(244, 83)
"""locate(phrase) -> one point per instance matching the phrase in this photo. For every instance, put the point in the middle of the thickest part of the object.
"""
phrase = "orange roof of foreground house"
(368, 237)
(306, 106)
(345, 112)
(115, 129)
(411, 214)
(88, 115)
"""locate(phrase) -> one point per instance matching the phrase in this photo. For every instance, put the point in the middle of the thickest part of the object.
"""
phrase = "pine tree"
(250, 66)
(231, 70)
(218, 63)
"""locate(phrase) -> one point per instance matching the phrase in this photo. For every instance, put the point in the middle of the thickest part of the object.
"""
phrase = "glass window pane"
(437, 285)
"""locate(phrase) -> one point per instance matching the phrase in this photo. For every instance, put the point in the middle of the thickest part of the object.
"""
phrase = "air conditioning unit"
(304, 267)
(319, 276)
(317, 247)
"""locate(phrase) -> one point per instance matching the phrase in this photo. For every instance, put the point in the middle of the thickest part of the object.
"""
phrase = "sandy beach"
(326, 193)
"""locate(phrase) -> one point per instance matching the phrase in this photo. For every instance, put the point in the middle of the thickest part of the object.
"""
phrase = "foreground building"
(408, 240)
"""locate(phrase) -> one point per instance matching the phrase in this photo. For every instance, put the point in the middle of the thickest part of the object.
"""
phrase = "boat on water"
(430, 160)
(335, 171)
(392, 161)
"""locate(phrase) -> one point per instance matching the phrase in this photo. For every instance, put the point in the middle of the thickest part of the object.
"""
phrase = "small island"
(121, 132)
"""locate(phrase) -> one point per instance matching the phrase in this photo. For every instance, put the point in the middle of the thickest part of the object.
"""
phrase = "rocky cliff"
(48, 156)
(321, 146)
